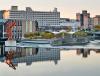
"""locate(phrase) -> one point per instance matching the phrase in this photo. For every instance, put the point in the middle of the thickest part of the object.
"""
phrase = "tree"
(69, 28)
(80, 34)
(47, 35)
(62, 34)
(97, 28)
(29, 35)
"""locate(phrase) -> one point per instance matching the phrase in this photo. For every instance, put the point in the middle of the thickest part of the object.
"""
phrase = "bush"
(62, 34)
(36, 35)
(47, 35)
(97, 28)
(80, 34)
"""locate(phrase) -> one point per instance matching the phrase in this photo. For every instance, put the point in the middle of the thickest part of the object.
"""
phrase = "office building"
(44, 18)
(97, 20)
(84, 19)
(26, 20)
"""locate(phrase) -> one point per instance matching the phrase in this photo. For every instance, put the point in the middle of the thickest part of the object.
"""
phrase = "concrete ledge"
(10, 43)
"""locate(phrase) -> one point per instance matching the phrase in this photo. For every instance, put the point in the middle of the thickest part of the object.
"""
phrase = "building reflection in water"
(9, 56)
(86, 52)
(15, 55)
(29, 55)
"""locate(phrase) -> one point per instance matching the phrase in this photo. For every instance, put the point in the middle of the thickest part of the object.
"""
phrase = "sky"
(67, 8)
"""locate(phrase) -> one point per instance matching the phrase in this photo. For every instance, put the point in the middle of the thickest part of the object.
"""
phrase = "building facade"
(97, 20)
(65, 24)
(25, 19)
(44, 18)
(84, 19)
(22, 27)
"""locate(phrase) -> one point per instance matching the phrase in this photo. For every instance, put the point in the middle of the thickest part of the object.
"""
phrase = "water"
(50, 61)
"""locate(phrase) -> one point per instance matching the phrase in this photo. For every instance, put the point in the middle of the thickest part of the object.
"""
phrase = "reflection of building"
(84, 52)
(2, 51)
(29, 55)
(97, 50)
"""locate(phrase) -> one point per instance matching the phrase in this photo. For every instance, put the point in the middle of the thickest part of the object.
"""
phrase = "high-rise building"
(84, 19)
(96, 20)
(44, 18)
(22, 27)
(26, 19)
(69, 23)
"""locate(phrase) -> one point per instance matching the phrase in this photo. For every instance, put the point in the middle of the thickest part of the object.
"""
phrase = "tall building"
(1, 15)
(71, 23)
(97, 20)
(44, 18)
(22, 25)
(84, 19)
(26, 19)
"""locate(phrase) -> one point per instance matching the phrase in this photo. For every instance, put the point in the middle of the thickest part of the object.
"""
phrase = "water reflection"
(13, 56)
(86, 52)
(8, 58)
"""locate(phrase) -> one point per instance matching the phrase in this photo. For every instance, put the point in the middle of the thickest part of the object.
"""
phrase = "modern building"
(27, 20)
(97, 20)
(1, 15)
(2, 28)
(84, 19)
(73, 24)
(22, 27)
(44, 18)
(65, 24)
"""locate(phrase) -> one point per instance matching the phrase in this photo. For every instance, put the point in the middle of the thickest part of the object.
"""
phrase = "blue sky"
(68, 8)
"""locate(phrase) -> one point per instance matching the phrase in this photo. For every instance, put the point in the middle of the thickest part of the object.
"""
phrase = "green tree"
(68, 28)
(47, 35)
(80, 34)
(97, 28)
(62, 34)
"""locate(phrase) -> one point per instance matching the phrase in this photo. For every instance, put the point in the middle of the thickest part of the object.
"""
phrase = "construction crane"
(9, 27)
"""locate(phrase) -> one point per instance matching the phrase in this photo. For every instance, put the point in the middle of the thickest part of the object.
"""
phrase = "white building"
(64, 22)
(25, 19)
(44, 18)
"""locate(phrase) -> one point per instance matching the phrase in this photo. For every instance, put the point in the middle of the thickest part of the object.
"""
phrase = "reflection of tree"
(8, 59)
